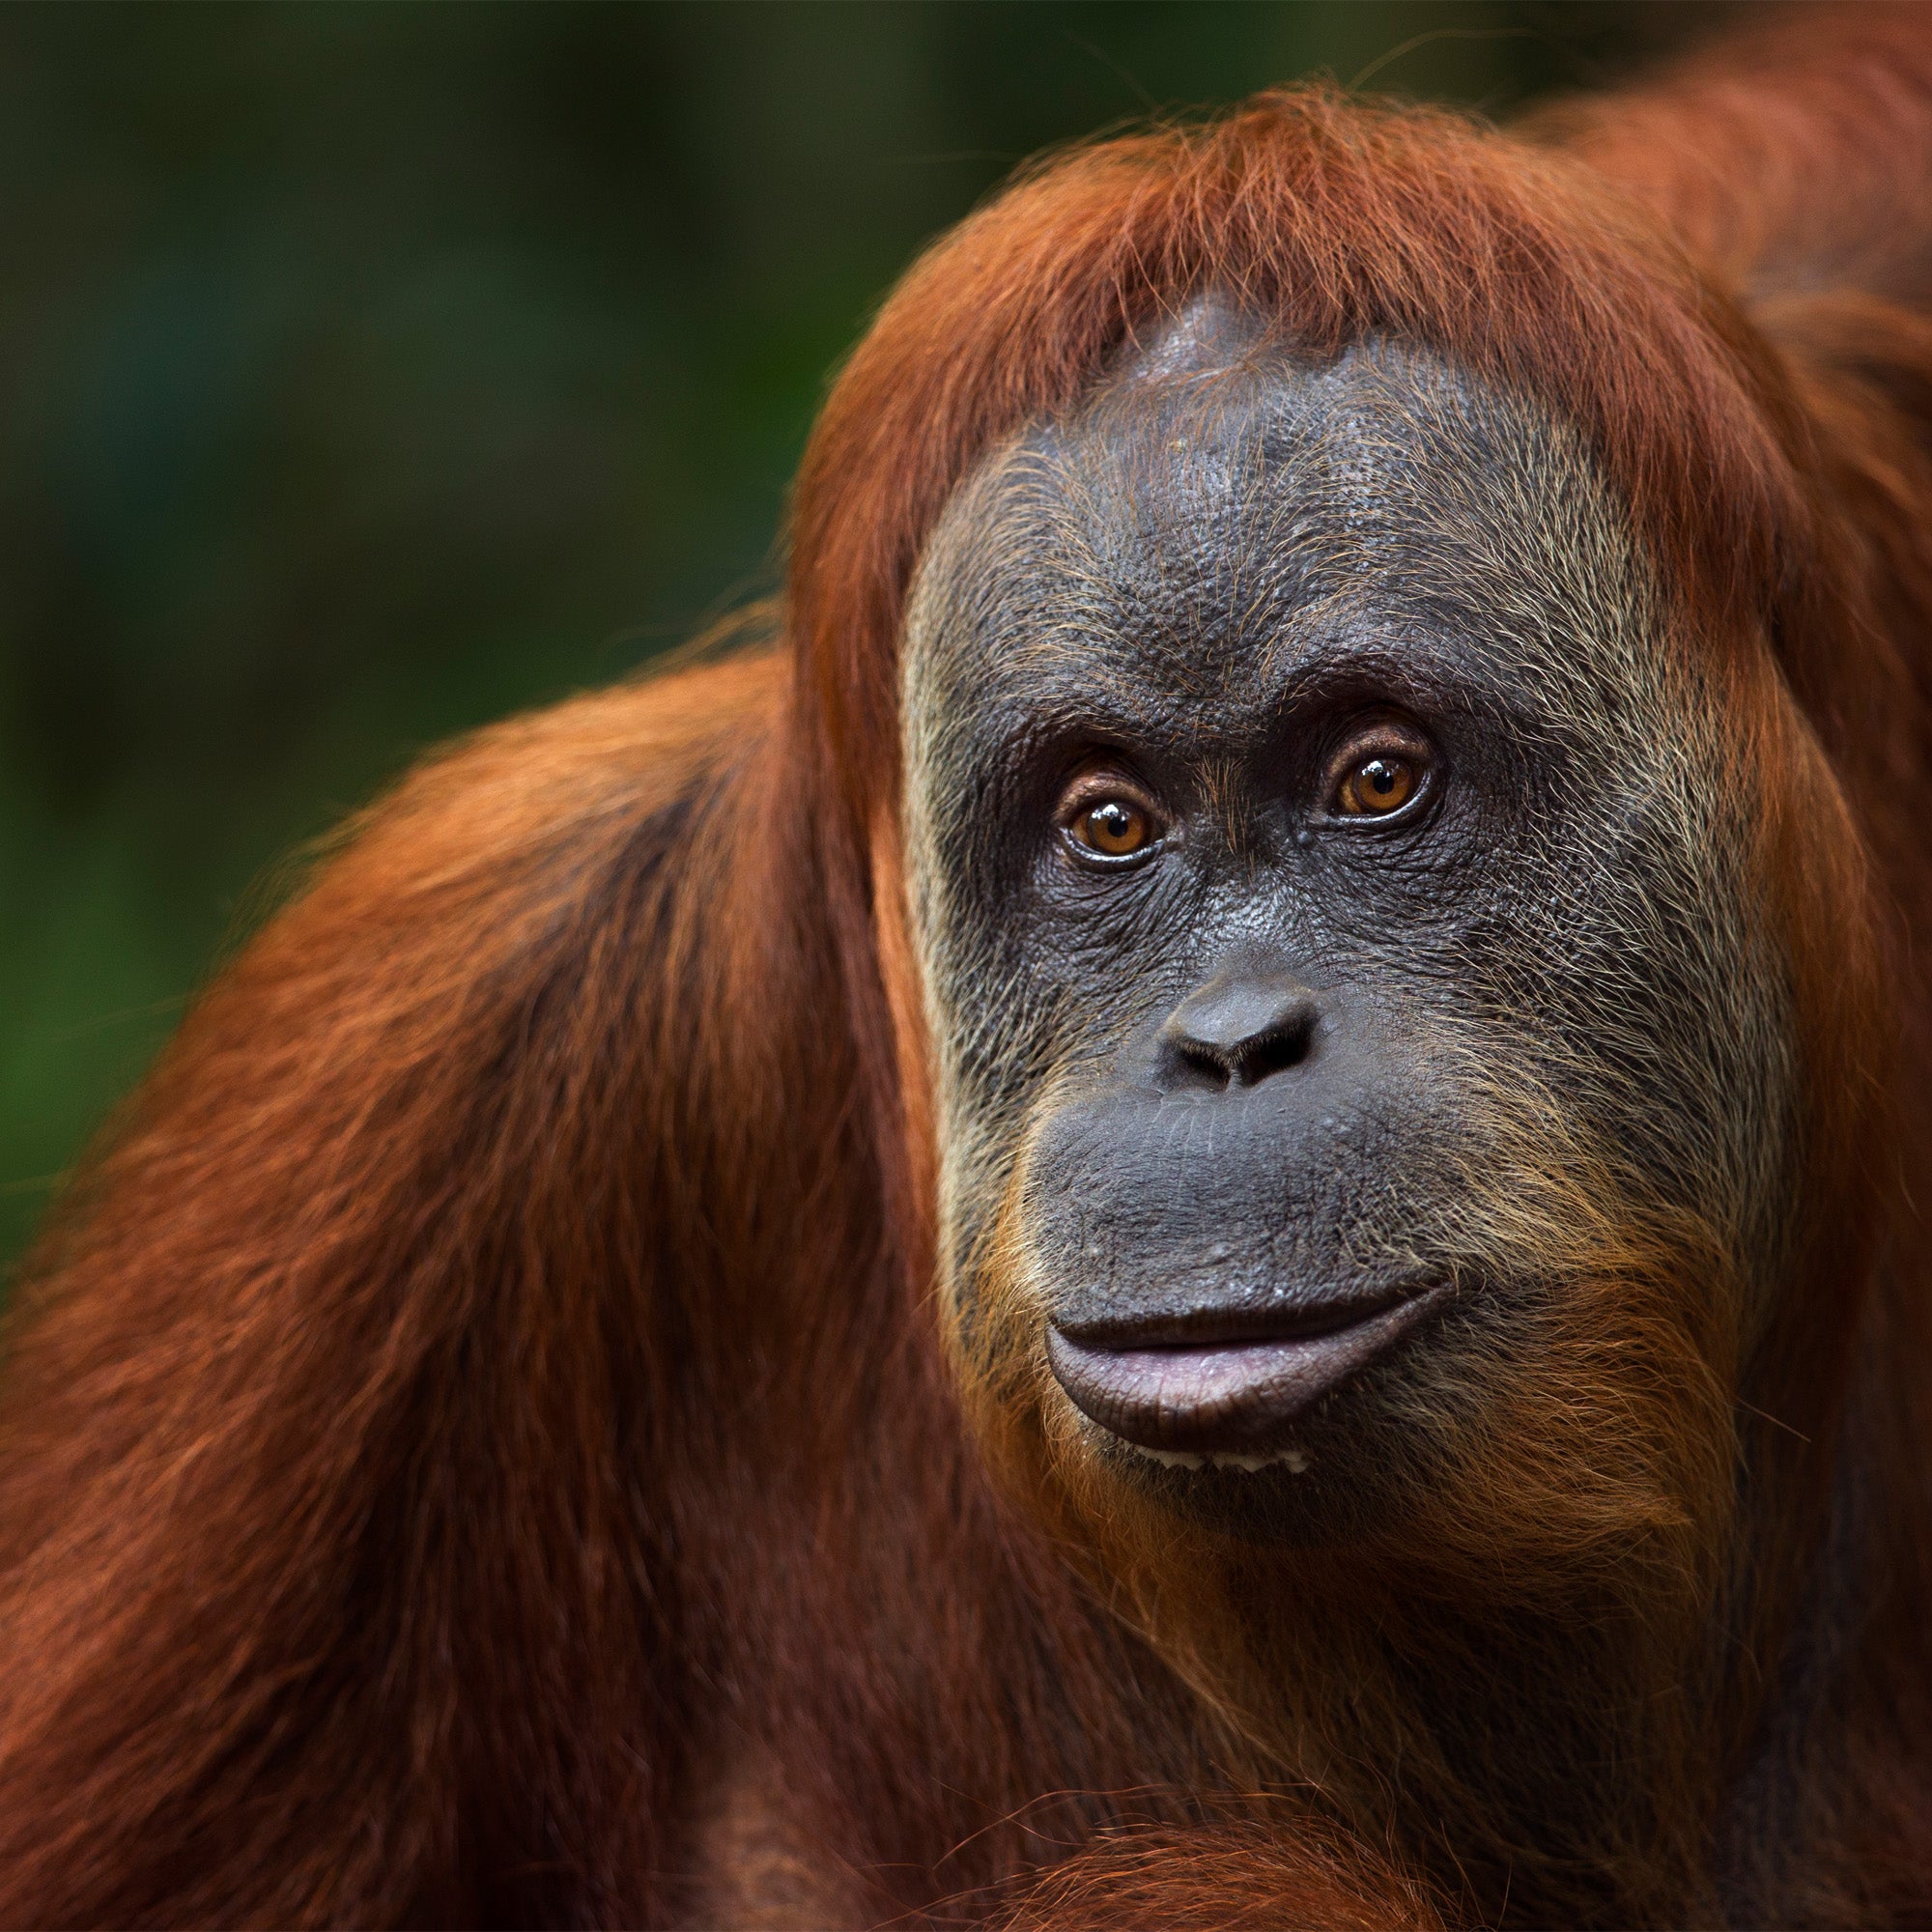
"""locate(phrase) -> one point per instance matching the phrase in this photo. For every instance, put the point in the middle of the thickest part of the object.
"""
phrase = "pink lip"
(1233, 1395)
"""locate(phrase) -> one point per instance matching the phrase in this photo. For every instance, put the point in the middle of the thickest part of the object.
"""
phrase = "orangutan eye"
(1376, 779)
(1377, 784)
(1111, 825)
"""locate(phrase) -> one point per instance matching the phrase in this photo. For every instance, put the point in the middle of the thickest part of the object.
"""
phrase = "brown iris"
(1374, 786)
(1116, 828)
(1102, 822)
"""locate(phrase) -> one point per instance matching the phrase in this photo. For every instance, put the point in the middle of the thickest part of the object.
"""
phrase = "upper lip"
(1209, 1379)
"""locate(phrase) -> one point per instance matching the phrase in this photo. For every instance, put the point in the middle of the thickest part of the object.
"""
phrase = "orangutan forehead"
(1218, 513)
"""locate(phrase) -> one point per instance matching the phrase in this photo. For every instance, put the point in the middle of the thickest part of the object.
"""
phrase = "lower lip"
(1235, 1399)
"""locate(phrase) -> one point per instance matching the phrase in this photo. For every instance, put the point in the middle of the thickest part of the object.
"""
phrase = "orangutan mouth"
(1225, 1390)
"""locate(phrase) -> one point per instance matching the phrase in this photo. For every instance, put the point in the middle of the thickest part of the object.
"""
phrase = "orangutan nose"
(1238, 1028)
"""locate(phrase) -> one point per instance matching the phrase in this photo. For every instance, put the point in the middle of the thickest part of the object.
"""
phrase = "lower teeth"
(1294, 1460)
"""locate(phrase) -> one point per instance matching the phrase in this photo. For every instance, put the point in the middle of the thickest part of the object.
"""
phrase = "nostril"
(1274, 1051)
(1191, 1062)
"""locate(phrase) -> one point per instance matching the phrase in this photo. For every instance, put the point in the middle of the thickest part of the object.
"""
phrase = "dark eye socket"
(1379, 773)
(1106, 820)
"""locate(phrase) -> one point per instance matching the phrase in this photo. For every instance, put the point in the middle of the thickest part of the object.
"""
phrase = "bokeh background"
(367, 372)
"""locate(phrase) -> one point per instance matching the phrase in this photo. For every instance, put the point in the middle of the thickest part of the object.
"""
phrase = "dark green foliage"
(366, 372)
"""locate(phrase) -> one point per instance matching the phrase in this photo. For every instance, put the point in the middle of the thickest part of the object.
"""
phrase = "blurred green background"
(367, 372)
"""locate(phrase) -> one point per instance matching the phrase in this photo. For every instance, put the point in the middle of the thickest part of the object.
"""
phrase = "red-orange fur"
(477, 1444)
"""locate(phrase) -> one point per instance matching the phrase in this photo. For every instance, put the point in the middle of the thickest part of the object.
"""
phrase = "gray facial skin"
(1220, 1109)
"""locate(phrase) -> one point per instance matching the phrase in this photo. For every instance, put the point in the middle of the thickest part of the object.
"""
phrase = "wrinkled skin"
(1244, 1134)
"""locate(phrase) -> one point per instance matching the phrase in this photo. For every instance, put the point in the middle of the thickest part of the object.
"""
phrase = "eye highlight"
(1103, 820)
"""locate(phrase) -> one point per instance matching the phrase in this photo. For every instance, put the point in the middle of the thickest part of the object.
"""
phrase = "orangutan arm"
(332, 1585)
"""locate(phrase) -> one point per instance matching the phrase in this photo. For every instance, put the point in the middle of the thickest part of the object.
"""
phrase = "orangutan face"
(1334, 888)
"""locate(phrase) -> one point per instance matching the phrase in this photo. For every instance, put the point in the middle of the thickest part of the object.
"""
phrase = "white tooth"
(1294, 1460)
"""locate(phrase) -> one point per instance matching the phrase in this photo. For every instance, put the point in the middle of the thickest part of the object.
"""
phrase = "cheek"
(1002, 1033)
(992, 1300)
(986, 1062)
(1678, 1004)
